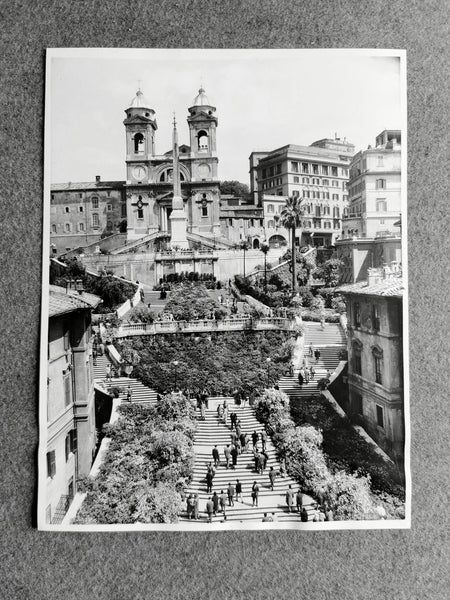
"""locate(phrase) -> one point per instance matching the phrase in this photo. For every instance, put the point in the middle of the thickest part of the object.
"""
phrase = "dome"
(201, 99)
(139, 101)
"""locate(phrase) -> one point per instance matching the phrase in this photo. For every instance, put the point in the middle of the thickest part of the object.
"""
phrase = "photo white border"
(218, 54)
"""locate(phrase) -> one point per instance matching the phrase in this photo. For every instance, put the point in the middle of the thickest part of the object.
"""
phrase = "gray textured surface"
(340, 565)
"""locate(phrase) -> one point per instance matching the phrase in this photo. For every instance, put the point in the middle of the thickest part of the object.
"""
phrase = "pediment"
(202, 116)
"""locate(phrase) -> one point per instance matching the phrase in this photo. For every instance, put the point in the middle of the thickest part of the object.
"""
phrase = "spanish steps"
(329, 340)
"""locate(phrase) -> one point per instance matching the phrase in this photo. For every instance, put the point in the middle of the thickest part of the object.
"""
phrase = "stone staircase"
(330, 341)
(140, 393)
(211, 431)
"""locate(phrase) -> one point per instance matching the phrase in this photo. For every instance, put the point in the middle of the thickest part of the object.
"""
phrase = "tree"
(236, 188)
(292, 218)
(329, 272)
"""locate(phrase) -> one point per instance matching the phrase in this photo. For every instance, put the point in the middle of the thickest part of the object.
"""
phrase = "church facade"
(151, 176)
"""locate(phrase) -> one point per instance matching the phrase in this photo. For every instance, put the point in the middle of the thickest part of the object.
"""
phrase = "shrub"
(349, 497)
(140, 314)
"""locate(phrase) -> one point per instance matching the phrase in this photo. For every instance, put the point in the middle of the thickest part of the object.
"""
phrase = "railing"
(205, 325)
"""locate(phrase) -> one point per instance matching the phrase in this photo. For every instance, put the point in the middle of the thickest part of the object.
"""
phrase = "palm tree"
(292, 218)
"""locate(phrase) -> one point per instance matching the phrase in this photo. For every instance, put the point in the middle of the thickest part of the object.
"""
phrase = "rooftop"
(62, 301)
(380, 283)
(86, 185)
(308, 151)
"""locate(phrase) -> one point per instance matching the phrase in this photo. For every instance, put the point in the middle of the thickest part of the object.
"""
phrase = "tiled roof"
(62, 301)
(387, 287)
(86, 185)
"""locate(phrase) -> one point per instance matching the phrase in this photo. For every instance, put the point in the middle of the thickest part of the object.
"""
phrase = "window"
(325, 171)
(336, 212)
(380, 184)
(271, 224)
(294, 166)
(335, 196)
(375, 317)
(358, 404)
(67, 209)
(80, 195)
(315, 169)
(270, 208)
(305, 168)
(381, 205)
(296, 193)
(204, 211)
(357, 314)
(230, 222)
(305, 194)
(109, 207)
(95, 222)
(71, 443)
(51, 464)
(381, 221)
(94, 201)
(380, 416)
(202, 138)
(335, 183)
(326, 210)
(271, 172)
(318, 211)
(305, 179)
(326, 195)
(67, 227)
(139, 143)
(296, 179)
(380, 160)
(67, 391)
(280, 192)
(378, 364)
(357, 351)
(80, 209)
(325, 182)
(334, 171)
(53, 228)
(140, 213)
(264, 173)
(80, 226)
(53, 196)
(278, 169)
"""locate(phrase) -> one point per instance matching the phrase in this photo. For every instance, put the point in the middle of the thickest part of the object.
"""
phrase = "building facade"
(371, 233)
(81, 213)
(149, 183)
(375, 357)
(70, 431)
(318, 173)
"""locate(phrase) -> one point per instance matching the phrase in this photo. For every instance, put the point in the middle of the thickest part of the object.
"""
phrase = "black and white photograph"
(224, 338)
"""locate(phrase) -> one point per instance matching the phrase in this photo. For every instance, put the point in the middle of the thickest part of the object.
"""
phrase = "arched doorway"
(256, 244)
(277, 240)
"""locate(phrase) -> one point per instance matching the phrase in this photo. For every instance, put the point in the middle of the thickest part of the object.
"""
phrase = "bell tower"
(203, 123)
(140, 125)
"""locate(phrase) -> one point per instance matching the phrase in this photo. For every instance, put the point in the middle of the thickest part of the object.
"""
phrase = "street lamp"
(265, 249)
(244, 248)
(175, 364)
(268, 371)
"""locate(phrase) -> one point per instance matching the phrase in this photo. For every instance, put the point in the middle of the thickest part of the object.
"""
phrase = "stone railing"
(205, 325)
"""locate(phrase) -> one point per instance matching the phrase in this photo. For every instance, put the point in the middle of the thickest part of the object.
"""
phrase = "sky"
(264, 99)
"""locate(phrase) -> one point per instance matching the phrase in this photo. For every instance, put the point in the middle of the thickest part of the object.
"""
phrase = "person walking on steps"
(311, 350)
(306, 373)
(223, 502)
(215, 500)
(255, 437)
(272, 477)
(263, 439)
(317, 355)
(209, 509)
(227, 454)
(290, 498)
(234, 455)
(312, 372)
(299, 500)
(230, 492)
(304, 515)
(255, 493)
(239, 491)
(216, 456)
(196, 507)
(300, 377)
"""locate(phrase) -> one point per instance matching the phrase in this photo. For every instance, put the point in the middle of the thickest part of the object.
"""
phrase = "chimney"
(374, 276)
(97, 179)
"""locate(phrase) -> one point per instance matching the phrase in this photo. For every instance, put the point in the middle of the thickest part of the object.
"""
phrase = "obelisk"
(177, 217)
